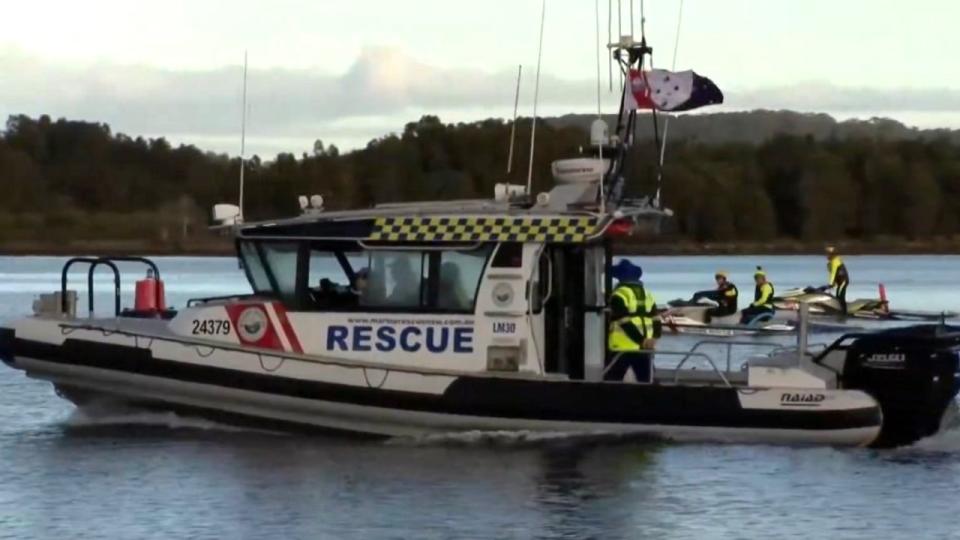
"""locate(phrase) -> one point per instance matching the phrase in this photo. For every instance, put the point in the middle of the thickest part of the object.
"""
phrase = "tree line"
(81, 180)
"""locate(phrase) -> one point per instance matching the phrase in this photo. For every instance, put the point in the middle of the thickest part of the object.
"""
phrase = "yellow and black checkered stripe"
(483, 229)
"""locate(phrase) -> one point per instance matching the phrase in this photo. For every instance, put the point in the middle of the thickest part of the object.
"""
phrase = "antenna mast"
(600, 144)
(610, 40)
(513, 127)
(243, 135)
(536, 97)
(630, 56)
(666, 122)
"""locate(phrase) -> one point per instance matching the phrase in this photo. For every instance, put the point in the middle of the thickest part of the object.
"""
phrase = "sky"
(347, 71)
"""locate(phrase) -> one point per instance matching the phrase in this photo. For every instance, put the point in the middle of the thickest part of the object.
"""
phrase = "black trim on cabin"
(346, 229)
(477, 396)
(508, 255)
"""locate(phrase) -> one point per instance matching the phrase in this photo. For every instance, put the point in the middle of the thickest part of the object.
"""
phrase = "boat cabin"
(463, 285)
(466, 292)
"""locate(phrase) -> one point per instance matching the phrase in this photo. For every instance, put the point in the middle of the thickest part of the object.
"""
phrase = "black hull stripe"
(477, 396)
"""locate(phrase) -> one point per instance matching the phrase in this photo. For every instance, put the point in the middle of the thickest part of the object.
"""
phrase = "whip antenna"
(643, 22)
(536, 97)
(599, 106)
(610, 40)
(243, 136)
(620, 30)
(513, 127)
(666, 123)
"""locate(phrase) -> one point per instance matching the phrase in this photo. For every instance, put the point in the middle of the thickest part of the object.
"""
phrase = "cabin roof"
(465, 221)
(446, 221)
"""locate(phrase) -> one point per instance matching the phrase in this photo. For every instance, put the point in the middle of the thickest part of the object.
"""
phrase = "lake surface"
(131, 474)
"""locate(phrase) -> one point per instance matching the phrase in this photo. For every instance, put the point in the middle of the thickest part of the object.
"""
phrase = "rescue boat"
(452, 316)
(475, 316)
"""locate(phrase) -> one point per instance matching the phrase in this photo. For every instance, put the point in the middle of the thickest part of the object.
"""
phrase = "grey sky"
(347, 71)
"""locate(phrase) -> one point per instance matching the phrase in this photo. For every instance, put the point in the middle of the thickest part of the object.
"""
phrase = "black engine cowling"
(913, 372)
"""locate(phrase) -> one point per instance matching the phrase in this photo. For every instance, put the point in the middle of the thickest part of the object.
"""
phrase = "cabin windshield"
(342, 276)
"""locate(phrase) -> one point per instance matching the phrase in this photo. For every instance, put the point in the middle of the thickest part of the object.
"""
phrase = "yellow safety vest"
(618, 340)
(837, 271)
(627, 292)
(763, 295)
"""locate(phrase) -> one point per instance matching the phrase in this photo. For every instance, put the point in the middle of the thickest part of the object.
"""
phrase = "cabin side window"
(281, 263)
(331, 276)
(336, 279)
(460, 273)
(256, 273)
(396, 280)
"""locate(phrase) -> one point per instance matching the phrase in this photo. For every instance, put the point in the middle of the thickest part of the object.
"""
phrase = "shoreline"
(225, 248)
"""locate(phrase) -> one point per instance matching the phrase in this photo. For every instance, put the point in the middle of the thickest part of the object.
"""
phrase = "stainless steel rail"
(772, 347)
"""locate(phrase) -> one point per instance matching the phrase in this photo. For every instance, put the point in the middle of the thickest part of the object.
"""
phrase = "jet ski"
(690, 317)
(824, 304)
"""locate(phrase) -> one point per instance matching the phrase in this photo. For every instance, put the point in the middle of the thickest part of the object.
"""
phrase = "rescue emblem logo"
(252, 324)
(503, 294)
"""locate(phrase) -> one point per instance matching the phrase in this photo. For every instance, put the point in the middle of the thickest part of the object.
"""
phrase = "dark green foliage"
(82, 180)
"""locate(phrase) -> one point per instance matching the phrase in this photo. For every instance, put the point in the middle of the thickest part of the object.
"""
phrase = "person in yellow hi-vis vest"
(762, 307)
(633, 327)
(839, 278)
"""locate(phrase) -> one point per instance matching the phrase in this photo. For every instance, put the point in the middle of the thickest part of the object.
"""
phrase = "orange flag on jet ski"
(670, 90)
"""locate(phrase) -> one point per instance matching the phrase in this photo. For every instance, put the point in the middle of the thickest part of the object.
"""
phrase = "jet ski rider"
(839, 278)
(762, 306)
(725, 295)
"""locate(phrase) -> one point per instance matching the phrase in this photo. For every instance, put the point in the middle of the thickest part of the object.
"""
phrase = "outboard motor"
(913, 372)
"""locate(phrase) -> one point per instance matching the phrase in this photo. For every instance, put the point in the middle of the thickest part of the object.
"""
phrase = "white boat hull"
(252, 387)
(258, 408)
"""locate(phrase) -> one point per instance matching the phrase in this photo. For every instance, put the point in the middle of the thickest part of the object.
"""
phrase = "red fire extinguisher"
(149, 294)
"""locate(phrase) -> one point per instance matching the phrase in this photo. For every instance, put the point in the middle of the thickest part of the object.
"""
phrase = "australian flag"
(670, 91)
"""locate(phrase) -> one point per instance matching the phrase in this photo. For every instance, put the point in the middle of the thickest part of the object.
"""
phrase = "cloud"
(381, 90)
(283, 102)
(822, 96)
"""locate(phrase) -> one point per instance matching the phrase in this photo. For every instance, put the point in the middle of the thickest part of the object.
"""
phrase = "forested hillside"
(70, 180)
(759, 126)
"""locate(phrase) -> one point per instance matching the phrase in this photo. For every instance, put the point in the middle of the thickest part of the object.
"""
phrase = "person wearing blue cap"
(632, 328)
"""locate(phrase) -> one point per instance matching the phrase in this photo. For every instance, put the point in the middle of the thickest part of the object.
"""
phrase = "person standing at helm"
(725, 295)
(762, 306)
(632, 327)
(839, 278)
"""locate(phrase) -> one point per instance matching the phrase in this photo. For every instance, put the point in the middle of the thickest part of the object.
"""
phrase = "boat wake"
(947, 440)
(508, 438)
(107, 416)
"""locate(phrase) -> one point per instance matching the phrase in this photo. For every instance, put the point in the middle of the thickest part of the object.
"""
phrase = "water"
(132, 474)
